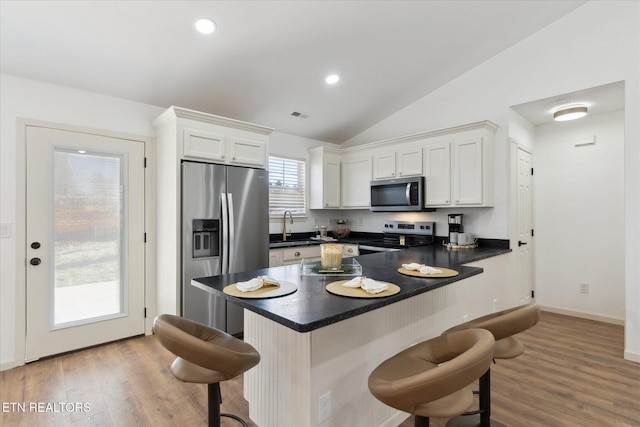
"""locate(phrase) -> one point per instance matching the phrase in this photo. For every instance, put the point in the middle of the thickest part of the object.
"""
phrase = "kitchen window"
(287, 190)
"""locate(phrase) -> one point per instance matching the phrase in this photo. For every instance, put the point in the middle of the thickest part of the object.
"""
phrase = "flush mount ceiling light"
(570, 112)
(332, 79)
(205, 25)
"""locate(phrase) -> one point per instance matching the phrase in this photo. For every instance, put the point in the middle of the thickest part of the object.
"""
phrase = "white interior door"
(85, 240)
(525, 223)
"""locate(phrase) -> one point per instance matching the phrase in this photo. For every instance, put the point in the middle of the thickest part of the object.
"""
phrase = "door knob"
(35, 245)
(35, 261)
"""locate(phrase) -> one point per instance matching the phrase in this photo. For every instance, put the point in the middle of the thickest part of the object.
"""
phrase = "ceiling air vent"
(300, 115)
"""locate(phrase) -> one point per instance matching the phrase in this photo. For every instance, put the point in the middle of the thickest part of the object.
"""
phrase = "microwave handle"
(408, 194)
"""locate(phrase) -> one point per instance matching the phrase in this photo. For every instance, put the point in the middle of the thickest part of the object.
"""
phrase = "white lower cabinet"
(275, 257)
(350, 250)
(295, 255)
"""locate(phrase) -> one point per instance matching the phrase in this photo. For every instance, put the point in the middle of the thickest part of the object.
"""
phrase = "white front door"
(85, 240)
(525, 224)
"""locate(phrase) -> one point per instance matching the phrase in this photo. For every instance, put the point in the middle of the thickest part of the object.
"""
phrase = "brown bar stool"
(205, 355)
(417, 380)
(503, 325)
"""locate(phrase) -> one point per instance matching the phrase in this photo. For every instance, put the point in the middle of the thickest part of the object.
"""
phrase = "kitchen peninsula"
(313, 342)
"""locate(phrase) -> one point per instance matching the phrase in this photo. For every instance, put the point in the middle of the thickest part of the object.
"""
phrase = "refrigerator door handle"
(231, 227)
(225, 233)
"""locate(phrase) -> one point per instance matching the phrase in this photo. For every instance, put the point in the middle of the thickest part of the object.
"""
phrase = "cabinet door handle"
(297, 254)
(35, 261)
(350, 250)
(521, 243)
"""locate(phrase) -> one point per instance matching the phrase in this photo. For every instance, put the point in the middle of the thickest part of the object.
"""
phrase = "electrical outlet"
(324, 407)
(584, 288)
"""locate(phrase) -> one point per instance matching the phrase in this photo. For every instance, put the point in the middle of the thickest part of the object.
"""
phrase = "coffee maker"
(455, 227)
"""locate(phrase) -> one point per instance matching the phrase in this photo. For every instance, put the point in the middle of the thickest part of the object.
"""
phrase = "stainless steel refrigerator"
(225, 229)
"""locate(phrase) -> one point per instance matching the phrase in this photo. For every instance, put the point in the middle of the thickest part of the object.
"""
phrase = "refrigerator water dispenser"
(205, 238)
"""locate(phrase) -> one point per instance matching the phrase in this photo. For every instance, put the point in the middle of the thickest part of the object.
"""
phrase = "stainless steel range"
(399, 235)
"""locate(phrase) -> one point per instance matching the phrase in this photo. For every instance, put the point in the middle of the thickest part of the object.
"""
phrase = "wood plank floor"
(572, 374)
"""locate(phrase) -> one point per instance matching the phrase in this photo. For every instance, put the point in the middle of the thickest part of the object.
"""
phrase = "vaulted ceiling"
(267, 59)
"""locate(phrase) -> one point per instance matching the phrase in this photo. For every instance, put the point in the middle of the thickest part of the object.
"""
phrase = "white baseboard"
(4, 366)
(395, 419)
(633, 357)
(582, 315)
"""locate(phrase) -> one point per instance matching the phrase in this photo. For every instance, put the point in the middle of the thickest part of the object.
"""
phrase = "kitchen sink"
(293, 243)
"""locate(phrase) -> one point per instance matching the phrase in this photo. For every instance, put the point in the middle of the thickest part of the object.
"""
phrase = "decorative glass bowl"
(349, 267)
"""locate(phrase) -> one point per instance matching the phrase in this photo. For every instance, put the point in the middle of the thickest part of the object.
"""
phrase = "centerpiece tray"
(349, 267)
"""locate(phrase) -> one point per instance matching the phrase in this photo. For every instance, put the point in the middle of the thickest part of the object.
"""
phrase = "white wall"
(22, 98)
(597, 44)
(579, 215)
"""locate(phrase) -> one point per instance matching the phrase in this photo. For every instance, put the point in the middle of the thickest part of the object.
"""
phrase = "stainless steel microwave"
(398, 195)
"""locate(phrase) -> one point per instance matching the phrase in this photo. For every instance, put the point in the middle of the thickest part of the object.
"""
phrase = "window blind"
(287, 186)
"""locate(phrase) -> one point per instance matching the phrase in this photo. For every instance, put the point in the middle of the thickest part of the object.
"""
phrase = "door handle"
(35, 261)
(521, 243)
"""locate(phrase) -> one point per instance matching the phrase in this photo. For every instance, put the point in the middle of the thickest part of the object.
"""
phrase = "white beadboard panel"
(345, 353)
(277, 389)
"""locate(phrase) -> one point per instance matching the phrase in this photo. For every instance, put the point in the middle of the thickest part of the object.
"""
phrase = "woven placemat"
(446, 272)
(271, 291)
(336, 288)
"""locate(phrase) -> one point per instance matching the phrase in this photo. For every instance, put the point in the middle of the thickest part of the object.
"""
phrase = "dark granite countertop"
(312, 307)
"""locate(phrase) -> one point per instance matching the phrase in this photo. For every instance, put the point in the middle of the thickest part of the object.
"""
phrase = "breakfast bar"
(319, 347)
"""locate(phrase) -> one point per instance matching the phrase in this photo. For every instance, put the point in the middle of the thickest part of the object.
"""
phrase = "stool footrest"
(235, 417)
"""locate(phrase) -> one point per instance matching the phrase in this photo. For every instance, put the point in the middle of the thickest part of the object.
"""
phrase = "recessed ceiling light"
(205, 25)
(332, 79)
(570, 112)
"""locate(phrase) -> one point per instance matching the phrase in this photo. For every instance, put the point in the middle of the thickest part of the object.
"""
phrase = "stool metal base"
(471, 421)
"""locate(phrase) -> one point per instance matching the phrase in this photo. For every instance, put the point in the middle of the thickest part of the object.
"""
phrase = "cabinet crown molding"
(174, 112)
(485, 124)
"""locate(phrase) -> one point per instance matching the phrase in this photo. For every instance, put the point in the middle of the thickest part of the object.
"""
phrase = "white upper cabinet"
(467, 177)
(215, 139)
(458, 169)
(398, 163)
(324, 177)
(457, 164)
(409, 161)
(356, 176)
(384, 165)
(201, 144)
(437, 165)
(247, 151)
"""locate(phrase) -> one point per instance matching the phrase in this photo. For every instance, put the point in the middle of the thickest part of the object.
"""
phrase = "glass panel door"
(85, 231)
(88, 205)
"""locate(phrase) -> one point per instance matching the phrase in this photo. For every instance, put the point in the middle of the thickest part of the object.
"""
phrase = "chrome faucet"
(284, 225)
